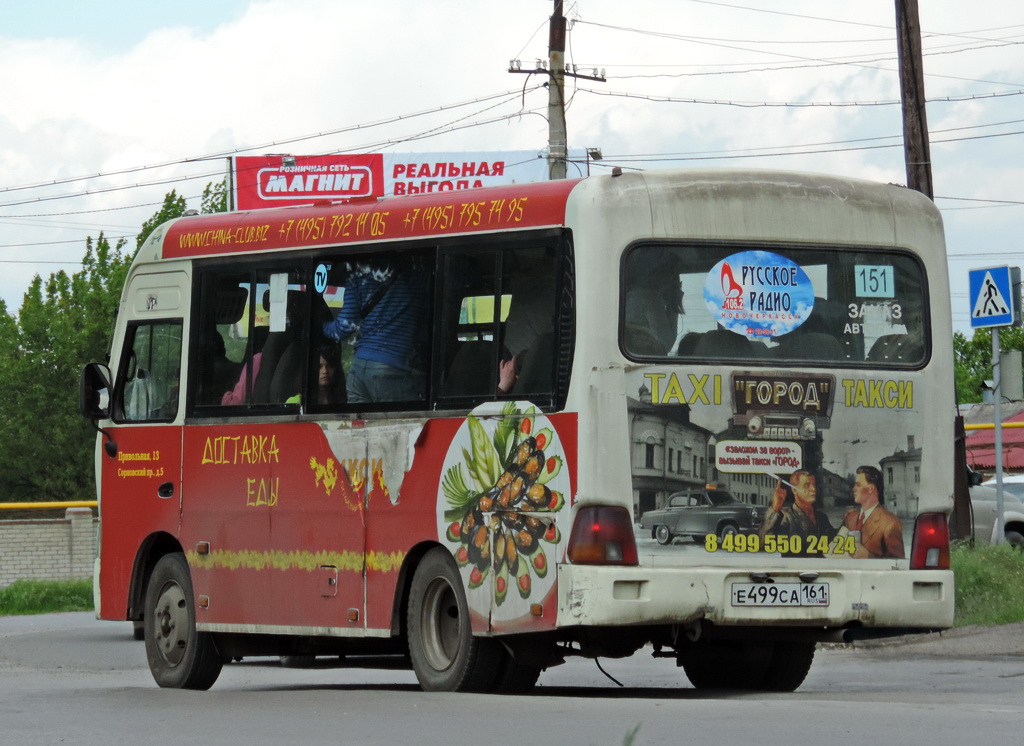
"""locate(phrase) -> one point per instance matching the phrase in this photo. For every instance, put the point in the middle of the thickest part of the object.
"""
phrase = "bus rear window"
(829, 306)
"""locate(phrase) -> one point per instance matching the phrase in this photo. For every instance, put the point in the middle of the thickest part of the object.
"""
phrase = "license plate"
(780, 594)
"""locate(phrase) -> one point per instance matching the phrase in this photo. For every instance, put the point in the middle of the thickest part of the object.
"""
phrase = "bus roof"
(530, 205)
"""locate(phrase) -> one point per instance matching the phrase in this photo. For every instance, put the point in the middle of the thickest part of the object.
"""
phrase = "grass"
(45, 597)
(989, 584)
(989, 589)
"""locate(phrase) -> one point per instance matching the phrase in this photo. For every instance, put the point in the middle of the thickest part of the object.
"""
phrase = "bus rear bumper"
(592, 595)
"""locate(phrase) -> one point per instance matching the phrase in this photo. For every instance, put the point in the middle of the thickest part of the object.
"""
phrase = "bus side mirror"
(94, 392)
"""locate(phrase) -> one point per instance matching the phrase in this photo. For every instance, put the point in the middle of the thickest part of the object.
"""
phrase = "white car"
(983, 507)
(1013, 484)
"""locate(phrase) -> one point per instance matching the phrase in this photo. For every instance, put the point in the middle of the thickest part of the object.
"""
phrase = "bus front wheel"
(445, 654)
(179, 657)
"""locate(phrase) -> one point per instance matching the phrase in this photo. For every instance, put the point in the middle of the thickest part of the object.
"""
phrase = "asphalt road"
(70, 678)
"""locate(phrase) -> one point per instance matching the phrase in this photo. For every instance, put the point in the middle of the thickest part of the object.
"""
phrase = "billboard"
(282, 180)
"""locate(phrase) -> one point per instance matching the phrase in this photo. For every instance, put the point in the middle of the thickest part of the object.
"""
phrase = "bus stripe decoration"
(296, 560)
(492, 523)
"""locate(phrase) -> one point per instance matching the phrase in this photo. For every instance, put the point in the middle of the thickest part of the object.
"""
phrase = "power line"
(275, 143)
(964, 35)
(794, 104)
(862, 61)
(441, 129)
(808, 62)
(770, 148)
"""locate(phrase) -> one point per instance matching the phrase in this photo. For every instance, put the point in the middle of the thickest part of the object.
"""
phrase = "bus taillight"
(931, 543)
(602, 535)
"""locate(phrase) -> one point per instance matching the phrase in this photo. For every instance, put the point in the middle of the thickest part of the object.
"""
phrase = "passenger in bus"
(331, 377)
(799, 517)
(652, 313)
(508, 373)
(384, 314)
(237, 393)
(907, 347)
(218, 371)
(878, 532)
(528, 350)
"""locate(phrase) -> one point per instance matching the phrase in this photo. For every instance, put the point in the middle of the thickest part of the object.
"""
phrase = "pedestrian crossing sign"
(995, 297)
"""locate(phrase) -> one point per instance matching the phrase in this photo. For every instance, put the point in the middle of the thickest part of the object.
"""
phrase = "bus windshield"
(784, 304)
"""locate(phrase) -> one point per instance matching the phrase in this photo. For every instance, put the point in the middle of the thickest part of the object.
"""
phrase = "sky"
(109, 105)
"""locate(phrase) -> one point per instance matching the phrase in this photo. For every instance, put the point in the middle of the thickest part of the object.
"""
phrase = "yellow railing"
(40, 506)
(992, 426)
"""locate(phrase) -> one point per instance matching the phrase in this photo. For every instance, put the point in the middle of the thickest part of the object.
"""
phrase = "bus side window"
(499, 310)
(223, 307)
(251, 337)
(529, 329)
(148, 382)
(469, 332)
(279, 378)
(375, 310)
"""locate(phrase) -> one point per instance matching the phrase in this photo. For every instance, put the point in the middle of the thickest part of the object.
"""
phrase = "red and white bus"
(701, 411)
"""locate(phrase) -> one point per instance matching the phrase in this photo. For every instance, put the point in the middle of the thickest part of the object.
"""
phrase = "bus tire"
(179, 656)
(788, 667)
(1015, 539)
(663, 534)
(734, 664)
(515, 678)
(445, 655)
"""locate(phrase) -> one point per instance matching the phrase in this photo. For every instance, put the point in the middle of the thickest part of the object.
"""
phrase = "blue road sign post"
(992, 297)
(995, 302)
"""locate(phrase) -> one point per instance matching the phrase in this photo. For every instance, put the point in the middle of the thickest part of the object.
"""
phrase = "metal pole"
(997, 386)
(557, 138)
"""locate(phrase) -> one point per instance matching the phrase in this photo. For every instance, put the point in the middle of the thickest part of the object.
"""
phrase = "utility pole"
(557, 138)
(557, 72)
(918, 159)
(917, 153)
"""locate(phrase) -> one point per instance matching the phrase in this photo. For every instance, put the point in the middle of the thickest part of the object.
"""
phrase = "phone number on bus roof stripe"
(389, 219)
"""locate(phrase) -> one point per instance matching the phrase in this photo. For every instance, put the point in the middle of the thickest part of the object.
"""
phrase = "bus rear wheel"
(179, 656)
(788, 666)
(753, 665)
(725, 665)
(515, 677)
(445, 655)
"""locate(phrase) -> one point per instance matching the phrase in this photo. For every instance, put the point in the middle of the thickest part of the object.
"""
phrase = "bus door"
(319, 486)
(279, 509)
(229, 457)
(141, 485)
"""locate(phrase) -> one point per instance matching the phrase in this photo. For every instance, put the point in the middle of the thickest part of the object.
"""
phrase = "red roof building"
(981, 446)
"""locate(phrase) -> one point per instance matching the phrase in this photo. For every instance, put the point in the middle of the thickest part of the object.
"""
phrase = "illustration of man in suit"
(797, 516)
(881, 532)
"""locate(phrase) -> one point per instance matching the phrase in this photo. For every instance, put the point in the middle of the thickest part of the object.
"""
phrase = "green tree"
(215, 197)
(173, 207)
(46, 451)
(972, 359)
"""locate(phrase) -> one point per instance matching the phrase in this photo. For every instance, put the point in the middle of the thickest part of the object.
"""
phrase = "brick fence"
(51, 549)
